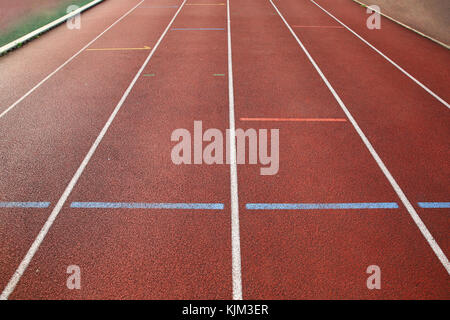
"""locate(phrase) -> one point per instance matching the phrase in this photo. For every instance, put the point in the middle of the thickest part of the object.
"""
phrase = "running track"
(81, 126)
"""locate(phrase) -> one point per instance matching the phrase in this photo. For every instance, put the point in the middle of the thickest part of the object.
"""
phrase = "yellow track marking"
(119, 49)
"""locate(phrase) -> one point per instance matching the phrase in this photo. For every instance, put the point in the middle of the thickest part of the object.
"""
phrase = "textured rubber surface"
(132, 253)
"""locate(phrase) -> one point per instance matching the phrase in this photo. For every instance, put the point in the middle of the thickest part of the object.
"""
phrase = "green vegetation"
(39, 19)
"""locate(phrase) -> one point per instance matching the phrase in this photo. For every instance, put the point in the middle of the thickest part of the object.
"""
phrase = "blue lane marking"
(24, 204)
(313, 206)
(434, 204)
(198, 29)
(137, 205)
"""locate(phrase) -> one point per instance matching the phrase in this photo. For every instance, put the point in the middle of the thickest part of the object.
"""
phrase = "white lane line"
(235, 237)
(65, 63)
(387, 58)
(412, 212)
(43, 232)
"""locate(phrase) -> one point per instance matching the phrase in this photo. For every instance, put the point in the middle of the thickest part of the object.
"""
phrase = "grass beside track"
(37, 19)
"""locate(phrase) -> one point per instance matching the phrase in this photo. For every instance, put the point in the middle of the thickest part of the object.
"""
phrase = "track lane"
(23, 69)
(316, 254)
(422, 58)
(158, 254)
(44, 141)
(407, 126)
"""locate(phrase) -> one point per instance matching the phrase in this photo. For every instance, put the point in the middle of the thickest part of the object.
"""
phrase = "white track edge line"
(65, 63)
(412, 212)
(43, 232)
(386, 58)
(235, 234)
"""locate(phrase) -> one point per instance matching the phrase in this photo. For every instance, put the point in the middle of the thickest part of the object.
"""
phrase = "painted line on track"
(157, 7)
(66, 62)
(296, 119)
(319, 27)
(235, 233)
(198, 29)
(320, 206)
(409, 207)
(205, 4)
(388, 59)
(62, 200)
(118, 49)
(142, 205)
(428, 205)
(24, 204)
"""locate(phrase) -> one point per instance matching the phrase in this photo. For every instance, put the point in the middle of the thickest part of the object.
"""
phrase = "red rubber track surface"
(405, 124)
(187, 254)
(321, 254)
(419, 56)
(23, 69)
